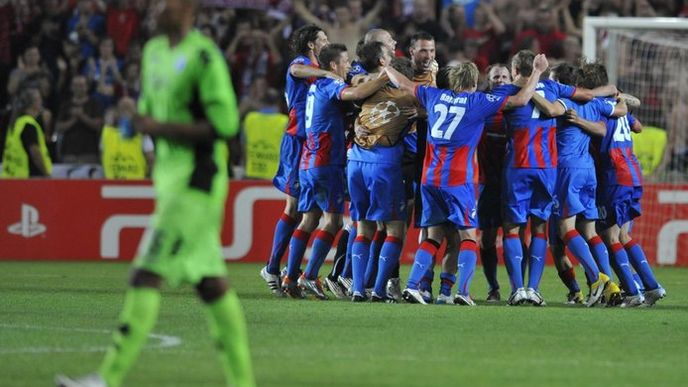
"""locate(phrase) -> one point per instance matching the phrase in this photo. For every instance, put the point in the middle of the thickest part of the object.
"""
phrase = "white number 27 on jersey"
(458, 113)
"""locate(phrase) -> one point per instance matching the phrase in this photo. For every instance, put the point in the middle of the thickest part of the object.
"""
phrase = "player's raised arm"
(550, 109)
(400, 80)
(540, 64)
(620, 109)
(364, 89)
(594, 128)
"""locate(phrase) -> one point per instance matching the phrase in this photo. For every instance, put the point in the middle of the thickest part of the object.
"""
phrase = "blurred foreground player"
(188, 105)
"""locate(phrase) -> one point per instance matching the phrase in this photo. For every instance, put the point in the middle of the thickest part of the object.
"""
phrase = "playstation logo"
(28, 226)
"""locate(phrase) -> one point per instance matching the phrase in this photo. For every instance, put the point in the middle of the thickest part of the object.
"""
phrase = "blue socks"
(283, 230)
(513, 255)
(426, 251)
(601, 254)
(359, 260)
(389, 257)
(446, 284)
(536, 262)
(375, 247)
(468, 256)
(297, 247)
(623, 269)
(321, 246)
(581, 251)
(641, 266)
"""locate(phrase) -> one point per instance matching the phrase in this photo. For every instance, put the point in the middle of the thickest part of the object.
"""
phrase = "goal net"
(648, 58)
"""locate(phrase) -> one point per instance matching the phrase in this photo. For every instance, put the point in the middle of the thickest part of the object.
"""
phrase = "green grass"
(54, 317)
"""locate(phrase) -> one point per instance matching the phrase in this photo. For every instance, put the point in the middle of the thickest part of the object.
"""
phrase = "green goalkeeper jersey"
(183, 84)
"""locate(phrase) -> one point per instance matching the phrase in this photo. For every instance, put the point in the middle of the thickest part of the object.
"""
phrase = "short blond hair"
(463, 76)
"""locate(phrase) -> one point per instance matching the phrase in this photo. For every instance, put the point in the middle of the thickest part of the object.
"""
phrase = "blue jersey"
(324, 121)
(455, 122)
(356, 69)
(573, 144)
(295, 92)
(618, 164)
(532, 136)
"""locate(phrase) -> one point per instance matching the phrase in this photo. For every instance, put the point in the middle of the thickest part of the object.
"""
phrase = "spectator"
(104, 72)
(252, 54)
(125, 157)
(26, 153)
(30, 72)
(6, 28)
(346, 29)
(546, 32)
(78, 125)
(423, 19)
(487, 29)
(131, 85)
(122, 22)
(85, 28)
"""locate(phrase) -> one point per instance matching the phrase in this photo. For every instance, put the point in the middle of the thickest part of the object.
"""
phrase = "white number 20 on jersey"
(622, 132)
(310, 101)
(456, 111)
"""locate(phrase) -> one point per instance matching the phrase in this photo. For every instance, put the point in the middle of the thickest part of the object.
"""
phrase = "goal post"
(648, 58)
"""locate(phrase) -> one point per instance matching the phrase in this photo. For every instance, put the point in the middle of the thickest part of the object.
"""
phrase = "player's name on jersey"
(447, 98)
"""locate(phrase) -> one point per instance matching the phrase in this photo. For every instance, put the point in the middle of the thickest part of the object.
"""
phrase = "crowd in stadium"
(75, 76)
(83, 55)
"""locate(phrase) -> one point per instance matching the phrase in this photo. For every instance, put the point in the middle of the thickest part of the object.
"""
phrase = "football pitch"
(57, 318)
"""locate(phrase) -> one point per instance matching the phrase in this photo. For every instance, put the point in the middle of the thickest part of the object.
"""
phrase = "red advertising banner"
(105, 220)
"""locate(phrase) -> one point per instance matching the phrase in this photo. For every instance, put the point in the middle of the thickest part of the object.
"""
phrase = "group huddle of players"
(395, 136)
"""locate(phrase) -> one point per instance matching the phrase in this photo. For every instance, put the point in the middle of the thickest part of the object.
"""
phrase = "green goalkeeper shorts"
(184, 245)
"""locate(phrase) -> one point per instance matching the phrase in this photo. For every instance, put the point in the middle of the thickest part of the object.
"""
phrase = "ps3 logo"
(242, 211)
(28, 225)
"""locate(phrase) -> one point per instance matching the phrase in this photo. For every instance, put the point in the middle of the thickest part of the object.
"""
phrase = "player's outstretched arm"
(593, 128)
(584, 95)
(306, 71)
(399, 80)
(550, 109)
(365, 89)
(631, 100)
(540, 64)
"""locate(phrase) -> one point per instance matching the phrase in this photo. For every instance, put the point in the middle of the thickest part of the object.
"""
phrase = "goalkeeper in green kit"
(188, 105)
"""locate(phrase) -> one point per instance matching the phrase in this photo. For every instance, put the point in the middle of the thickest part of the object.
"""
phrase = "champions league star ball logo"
(383, 113)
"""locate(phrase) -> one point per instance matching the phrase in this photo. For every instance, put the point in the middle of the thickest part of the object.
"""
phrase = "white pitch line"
(165, 341)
